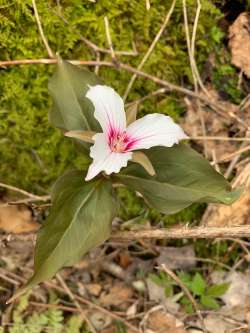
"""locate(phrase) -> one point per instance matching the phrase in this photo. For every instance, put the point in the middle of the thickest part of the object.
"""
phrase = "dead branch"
(184, 232)
(172, 87)
(242, 231)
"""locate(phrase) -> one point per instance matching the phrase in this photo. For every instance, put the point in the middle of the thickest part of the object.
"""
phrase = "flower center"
(118, 144)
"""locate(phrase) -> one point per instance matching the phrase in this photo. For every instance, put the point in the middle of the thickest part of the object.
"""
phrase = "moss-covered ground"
(32, 153)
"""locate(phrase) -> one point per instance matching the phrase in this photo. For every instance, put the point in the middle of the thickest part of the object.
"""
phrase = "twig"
(74, 300)
(236, 158)
(151, 48)
(242, 231)
(236, 153)
(152, 94)
(218, 138)
(80, 299)
(108, 36)
(184, 232)
(147, 4)
(172, 87)
(40, 28)
(93, 305)
(186, 291)
(32, 196)
(55, 306)
(89, 43)
(191, 53)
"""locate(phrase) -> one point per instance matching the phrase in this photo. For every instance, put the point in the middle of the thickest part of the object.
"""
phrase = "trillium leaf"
(182, 178)
(80, 219)
(71, 110)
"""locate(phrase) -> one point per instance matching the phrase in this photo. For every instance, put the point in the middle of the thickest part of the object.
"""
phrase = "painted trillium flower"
(120, 141)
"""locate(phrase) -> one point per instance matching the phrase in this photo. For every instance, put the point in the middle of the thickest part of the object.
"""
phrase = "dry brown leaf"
(93, 288)
(236, 214)
(239, 42)
(217, 324)
(117, 295)
(17, 219)
(162, 322)
(177, 257)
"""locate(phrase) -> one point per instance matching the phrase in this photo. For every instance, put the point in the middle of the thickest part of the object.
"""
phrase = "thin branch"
(186, 291)
(89, 43)
(218, 138)
(236, 153)
(172, 87)
(151, 48)
(27, 194)
(191, 54)
(74, 300)
(40, 28)
(242, 231)
(184, 232)
(108, 36)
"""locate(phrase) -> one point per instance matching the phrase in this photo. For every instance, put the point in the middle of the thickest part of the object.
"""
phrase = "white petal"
(154, 130)
(109, 109)
(104, 159)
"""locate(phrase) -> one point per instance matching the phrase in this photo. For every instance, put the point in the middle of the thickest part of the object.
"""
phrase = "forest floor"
(151, 286)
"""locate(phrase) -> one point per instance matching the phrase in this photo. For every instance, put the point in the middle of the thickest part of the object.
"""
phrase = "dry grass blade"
(40, 28)
(151, 48)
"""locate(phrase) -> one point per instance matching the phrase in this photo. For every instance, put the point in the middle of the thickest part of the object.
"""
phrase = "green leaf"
(218, 289)
(71, 110)
(182, 178)
(209, 302)
(198, 285)
(80, 219)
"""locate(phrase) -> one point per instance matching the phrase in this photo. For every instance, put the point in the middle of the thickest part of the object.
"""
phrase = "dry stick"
(40, 28)
(74, 300)
(235, 159)
(172, 87)
(183, 232)
(108, 36)
(152, 46)
(152, 94)
(32, 196)
(90, 44)
(95, 306)
(236, 153)
(78, 298)
(186, 291)
(218, 138)
(242, 231)
(191, 52)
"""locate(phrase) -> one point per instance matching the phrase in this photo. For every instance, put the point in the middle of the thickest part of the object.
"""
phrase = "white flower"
(114, 147)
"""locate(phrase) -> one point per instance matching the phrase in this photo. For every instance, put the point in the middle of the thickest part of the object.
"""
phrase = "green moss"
(32, 153)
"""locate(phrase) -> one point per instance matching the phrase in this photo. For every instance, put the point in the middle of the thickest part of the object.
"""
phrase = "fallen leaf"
(99, 320)
(117, 295)
(17, 219)
(177, 257)
(239, 42)
(162, 322)
(236, 214)
(216, 324)
(238, 291)
(93, 288)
